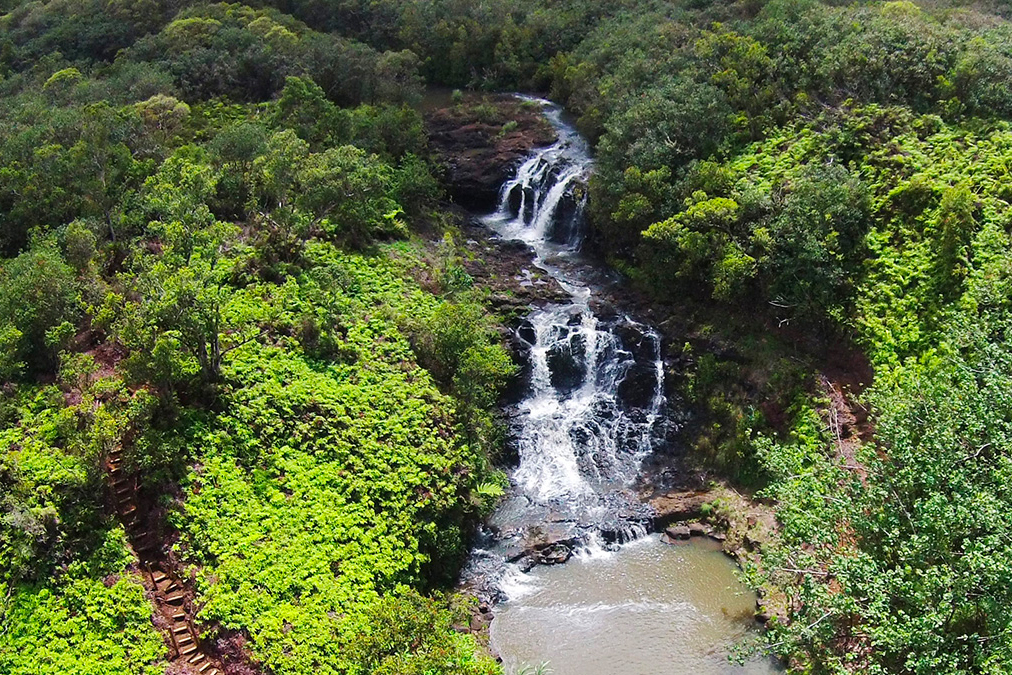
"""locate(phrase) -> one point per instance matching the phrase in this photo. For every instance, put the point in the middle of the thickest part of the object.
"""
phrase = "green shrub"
(38, 293)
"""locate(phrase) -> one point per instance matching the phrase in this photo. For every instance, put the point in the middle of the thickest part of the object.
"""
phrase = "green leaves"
(347, 191)
(329, 484)
(38, 294)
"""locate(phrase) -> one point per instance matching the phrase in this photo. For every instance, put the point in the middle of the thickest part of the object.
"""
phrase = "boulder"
(525, 331)
(678, 532)
(514, 200)
(567, 361)
(638, 386)
(554, 555)
(563, 229)
(679, 506)
(698, 530)
(643, 346)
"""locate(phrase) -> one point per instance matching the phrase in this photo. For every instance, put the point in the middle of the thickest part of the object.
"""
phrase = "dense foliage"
(71, 601)
(197, 204)
(198, 230)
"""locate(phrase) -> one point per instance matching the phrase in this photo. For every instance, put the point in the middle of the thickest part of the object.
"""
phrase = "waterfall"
(594, 404)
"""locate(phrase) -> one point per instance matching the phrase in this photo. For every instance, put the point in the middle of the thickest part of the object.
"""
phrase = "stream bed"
(594, 405)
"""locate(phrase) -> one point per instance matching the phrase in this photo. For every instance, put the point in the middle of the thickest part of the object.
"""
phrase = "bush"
(38, 292)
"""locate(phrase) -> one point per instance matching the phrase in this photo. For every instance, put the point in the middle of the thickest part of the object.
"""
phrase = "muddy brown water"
(647, 609)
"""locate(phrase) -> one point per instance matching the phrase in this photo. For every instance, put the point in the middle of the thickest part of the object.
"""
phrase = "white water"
(576, 433)
(594, 405)
(593, 409)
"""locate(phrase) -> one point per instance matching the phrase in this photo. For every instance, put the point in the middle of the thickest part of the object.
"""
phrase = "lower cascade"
(592, 408)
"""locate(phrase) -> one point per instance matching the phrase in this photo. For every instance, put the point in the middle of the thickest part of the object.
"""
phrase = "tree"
(917, 552)
(814, 240)
(304, 107)
(347, 193)
(38, 294)
(699, 244)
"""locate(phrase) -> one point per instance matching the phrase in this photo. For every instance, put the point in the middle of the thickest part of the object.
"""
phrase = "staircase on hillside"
(170, 598)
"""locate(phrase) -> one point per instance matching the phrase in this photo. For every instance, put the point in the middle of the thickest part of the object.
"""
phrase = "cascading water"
(593, 409)
(594, 406)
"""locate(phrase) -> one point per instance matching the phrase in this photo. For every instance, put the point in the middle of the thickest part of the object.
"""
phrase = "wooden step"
(187, 650)
(129, 510)
(204, 668)
(181, 629)
(185, 640)
(175, 599)
(159, 576)
(172, 587)
(195, 659)
(179, 616)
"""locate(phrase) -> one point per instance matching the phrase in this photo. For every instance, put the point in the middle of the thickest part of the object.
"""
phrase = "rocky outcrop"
(507, 270)
(677, 507)
(479, 142)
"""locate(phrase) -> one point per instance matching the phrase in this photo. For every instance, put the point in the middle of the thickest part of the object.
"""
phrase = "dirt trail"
(846, 416)
(172, 605)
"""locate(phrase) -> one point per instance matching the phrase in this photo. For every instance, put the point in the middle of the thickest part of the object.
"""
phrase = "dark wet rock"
(604, 310)
(477, 154)
(529, 203)
(620, 532)
(565, 222)
(515, 199)
(554, 555)
(638, 387)
(525, 331)
(525, 563)
(497, 264)
(643, 346)
(554, 532)
(567, 361)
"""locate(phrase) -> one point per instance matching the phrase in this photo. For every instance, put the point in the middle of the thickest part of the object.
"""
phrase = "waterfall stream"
(594, 403)
(593, 408)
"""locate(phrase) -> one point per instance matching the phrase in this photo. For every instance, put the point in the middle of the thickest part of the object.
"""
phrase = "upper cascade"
(544, 202)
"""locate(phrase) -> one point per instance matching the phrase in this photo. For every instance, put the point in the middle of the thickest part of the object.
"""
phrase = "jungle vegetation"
(208, 219)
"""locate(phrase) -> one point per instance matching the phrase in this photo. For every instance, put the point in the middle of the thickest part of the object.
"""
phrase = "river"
(593, 408)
